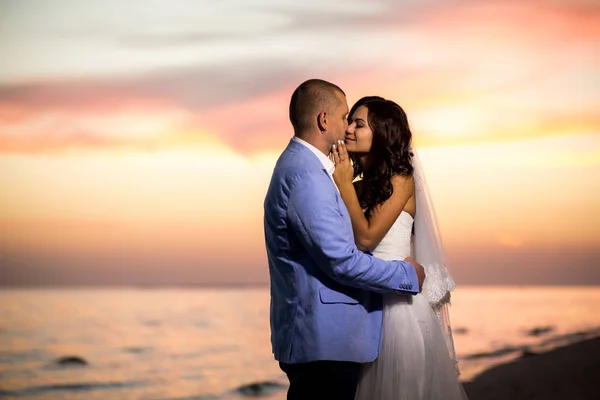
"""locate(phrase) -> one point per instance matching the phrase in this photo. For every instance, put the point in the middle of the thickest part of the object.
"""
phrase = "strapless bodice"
(396, 244)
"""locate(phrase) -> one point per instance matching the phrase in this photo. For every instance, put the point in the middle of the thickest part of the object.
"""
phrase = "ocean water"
(211, 343)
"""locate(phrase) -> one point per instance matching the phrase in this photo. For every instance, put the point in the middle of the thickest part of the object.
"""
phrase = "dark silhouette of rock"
(540, 331)
(260, 389)
(71, 361)
(528, 353)
(496, 353)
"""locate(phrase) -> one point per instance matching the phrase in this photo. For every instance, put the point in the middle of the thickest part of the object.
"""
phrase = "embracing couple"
(359, 284)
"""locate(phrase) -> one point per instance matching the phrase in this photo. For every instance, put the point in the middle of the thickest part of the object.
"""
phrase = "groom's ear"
(322, 121)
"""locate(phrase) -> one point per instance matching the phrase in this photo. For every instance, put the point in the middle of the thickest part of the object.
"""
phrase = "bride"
(393, 218)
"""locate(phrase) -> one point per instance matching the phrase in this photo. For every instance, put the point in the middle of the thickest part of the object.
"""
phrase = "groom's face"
(338, 121)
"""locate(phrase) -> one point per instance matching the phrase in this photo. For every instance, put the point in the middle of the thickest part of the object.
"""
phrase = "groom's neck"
(316, 140)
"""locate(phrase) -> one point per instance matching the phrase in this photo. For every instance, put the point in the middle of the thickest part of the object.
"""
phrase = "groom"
(326, 303)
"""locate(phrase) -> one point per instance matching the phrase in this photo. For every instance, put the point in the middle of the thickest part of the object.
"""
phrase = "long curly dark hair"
(390, 152)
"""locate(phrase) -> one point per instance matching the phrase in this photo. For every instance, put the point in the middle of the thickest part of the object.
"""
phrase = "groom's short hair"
(311, 98)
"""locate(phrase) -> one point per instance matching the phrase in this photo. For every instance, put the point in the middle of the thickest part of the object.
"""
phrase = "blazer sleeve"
(314, 215)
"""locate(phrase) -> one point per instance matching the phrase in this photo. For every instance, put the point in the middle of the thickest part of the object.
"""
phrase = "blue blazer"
(326, 301)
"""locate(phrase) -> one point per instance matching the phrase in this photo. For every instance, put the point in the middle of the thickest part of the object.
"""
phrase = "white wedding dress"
(414, 362)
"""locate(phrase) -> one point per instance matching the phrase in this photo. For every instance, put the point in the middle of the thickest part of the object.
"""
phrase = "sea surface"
(161, 344)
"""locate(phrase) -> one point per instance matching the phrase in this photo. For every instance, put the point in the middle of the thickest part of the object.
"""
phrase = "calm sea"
(211, 343)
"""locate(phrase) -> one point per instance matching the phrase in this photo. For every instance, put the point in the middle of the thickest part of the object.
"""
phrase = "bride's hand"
(344, 171)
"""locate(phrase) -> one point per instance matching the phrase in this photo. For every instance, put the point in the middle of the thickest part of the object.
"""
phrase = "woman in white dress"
(386, 195)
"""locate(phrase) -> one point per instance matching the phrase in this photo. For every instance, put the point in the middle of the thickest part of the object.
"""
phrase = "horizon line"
(247, 286)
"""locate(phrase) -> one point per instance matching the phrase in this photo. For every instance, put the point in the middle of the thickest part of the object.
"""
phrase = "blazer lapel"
(307, 155)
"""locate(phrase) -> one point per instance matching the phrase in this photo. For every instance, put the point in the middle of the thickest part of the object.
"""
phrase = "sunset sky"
(137, 138)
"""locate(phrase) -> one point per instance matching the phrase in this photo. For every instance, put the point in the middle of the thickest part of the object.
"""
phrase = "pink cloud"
(523, 20)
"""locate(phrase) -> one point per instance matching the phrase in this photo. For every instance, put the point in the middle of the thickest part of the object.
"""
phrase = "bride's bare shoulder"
(403, 182)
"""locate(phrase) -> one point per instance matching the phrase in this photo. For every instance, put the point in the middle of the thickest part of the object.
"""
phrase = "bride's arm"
(369, 232)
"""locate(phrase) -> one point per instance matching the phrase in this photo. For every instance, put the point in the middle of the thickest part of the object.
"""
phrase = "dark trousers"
(327, 380)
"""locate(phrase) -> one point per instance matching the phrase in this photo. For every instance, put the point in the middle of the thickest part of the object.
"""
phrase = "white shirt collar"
(327, 163)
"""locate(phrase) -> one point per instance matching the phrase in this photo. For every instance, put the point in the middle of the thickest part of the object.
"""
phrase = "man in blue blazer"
(326, 303)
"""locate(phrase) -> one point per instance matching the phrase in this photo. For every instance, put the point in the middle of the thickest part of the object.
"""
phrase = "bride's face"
(359, 135)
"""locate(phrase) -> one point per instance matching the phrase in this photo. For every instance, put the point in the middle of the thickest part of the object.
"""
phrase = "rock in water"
(260, 389)
(71, 361)
(541, 330)
(460, 331)
(528, 353)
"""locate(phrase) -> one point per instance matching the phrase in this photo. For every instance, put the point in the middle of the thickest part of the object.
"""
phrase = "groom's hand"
(419, 270)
